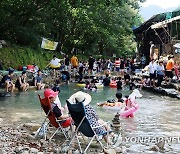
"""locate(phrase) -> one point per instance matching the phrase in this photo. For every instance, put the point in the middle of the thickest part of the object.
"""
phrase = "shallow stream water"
(156, 119)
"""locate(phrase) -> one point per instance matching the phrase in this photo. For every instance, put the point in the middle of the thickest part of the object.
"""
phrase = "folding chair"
(60, 125)
(82, 124)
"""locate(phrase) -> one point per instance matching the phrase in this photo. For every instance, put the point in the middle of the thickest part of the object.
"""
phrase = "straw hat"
(50, 93)
(80, 97)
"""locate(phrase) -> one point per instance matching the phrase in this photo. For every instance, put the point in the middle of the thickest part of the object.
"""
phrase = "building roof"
(156, 19)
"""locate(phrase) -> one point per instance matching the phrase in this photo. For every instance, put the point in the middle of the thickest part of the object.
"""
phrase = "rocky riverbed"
(17, 138)
(20, 138)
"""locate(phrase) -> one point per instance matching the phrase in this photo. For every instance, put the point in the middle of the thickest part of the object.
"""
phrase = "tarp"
(49, 45)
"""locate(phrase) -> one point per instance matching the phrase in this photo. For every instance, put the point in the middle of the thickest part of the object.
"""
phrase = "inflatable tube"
(81, 84)
(53, 66)
(92, 89)
(113, 85)
(98, 85)
(116, 106)
(113, 108)
(129, 112)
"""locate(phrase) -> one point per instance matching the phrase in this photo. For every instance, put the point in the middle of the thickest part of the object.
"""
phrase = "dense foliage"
(99, 26)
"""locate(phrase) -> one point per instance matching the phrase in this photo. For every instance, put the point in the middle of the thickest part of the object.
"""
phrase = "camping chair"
(83, 126)
(60, 125)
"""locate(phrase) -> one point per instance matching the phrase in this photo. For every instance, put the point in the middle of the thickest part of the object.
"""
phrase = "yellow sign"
(49, 45)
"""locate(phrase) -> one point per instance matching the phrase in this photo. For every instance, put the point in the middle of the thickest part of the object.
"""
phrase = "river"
(157, 117)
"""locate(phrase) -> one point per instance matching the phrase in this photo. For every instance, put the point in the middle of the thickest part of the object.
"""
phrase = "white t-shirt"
(152, 67)
(55, 62)
(57, 101)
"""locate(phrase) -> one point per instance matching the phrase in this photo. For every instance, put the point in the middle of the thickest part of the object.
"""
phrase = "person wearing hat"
(7, 83)
(91, 114)
(21, 83)
(51, 95)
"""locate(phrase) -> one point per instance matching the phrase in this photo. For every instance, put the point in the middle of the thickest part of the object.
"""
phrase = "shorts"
(74, 67)
(152, 76)
(117, 69)
(169, 74)
(90, 67)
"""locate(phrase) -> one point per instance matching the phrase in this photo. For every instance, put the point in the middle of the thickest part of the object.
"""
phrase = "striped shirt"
(117, 63)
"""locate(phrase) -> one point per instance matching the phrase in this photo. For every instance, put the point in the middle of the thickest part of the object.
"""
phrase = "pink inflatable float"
(131, 105)
(129, 112)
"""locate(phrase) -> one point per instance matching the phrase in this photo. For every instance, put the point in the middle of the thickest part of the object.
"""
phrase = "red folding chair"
(60, 125)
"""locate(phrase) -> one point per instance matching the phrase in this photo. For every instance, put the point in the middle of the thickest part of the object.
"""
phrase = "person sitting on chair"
(51, 95)
(91, 114)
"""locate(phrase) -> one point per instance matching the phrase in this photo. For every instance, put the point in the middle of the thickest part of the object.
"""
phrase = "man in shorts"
(74, 62)
(169, 68)
(7, 83)
(117, 65)
(152, 70)
(55, 65)
(38, 81)
(122, 67)
(91, 64)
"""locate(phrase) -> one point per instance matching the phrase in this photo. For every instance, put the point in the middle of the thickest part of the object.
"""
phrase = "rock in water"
(109, 151)
(5, 94)
(161, 144)
(32, 126)
(34, 150)
(154, 148)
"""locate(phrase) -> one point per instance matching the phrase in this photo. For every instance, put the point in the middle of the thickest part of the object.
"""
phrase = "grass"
(16, 56)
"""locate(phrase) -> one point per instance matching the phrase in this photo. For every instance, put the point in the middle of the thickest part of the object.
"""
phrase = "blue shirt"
(160, 70)
(38, 79)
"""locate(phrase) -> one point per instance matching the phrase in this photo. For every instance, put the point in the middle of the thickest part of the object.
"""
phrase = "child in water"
(56, 86)
(113, 102)
(119, 83)
(130, 104)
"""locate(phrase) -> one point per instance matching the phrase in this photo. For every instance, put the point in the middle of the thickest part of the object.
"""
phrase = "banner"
(49, 45)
